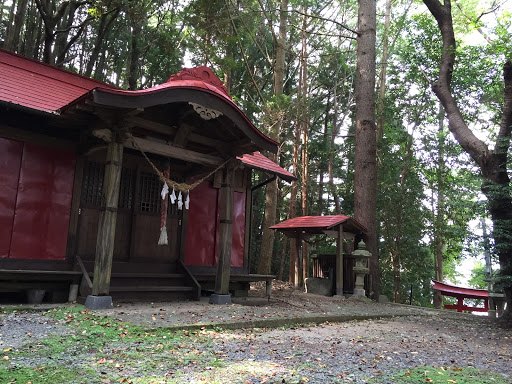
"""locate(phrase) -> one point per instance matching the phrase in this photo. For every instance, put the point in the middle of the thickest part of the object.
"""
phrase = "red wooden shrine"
(80, 200)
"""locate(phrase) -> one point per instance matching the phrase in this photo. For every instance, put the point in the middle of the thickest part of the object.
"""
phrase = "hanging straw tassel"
(163, 240)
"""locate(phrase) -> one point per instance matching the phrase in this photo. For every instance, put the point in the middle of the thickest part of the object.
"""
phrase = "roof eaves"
(42, 112)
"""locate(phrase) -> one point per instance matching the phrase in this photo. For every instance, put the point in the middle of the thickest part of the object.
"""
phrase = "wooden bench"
(206, 280)
(462, 293)
(33, 281)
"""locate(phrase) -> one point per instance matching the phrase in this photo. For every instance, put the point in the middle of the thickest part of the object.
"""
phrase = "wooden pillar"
(339, 262)
(107, 221)
(298, 261)
(225, 232)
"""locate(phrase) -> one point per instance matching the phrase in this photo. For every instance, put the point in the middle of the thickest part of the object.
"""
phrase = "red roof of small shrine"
(317, 223)
(32, 84)
(257, 161)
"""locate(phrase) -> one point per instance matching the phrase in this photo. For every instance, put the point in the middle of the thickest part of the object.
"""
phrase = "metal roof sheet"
(40, 86)
(317, 223)
(258, 161)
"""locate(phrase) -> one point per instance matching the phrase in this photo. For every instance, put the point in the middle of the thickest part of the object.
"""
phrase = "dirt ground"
(385, 336)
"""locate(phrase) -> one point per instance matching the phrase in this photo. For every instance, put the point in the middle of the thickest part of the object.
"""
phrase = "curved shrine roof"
(41, 87)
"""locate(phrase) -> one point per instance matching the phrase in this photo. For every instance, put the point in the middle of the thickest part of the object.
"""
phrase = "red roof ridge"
(203, 74)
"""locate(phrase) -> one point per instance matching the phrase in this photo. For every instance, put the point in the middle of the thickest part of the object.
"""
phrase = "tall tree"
(365, 172)
(491, 162)
(267, 244)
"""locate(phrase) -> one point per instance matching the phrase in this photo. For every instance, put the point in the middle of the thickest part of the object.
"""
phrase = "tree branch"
(324, 19)
(475, 147)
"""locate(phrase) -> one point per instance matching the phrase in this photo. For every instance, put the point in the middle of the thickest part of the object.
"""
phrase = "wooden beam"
(170, 130)
(151, 125)
(181, 138)
(107, 222)
(36, 138)
(171, 151)
(225, 232)
(333, 234)
(339, 262)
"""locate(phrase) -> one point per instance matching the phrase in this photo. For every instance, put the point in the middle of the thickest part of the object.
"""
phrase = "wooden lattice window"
(126, 189)
(92, 185)
(150, 187)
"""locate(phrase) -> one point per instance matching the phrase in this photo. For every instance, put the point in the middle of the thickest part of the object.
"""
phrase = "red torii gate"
(463, 293)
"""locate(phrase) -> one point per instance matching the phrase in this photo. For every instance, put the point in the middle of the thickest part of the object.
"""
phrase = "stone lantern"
(361, 256)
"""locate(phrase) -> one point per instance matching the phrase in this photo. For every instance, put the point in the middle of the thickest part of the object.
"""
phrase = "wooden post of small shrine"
(106, 228)
(339, 261)
(298, 261)
(221, 295)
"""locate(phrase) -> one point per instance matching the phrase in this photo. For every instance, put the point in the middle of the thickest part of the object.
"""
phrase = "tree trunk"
(331, 150)
(383, 70)
(10, 25)
(13, 38)
(267, 241)
(132, 71)
(103, 31)
(305, 138)
(492, 163)
(439, 224)
(27, 47)
(365, 172)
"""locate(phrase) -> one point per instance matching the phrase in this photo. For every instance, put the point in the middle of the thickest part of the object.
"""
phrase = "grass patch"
(445, 375)
(46, 375)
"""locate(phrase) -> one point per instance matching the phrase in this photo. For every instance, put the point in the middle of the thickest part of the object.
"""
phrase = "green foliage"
(478, 276)
(426, 374)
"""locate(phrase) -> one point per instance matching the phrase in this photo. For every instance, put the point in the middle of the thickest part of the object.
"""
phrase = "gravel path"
(352, 351)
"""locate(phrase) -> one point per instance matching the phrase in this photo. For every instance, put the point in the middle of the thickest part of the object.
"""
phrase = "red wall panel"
(43, 204)
(200, 246)
(203, 227)
(10, 161)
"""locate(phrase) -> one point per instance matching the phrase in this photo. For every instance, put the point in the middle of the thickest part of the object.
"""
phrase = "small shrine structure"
(343, 228)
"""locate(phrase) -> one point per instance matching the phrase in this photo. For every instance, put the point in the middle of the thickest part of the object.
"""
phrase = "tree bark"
(439, 223)
(305, 138)
(13, 38)
(492, 163)
(383, 71)
(331, 150)
(103, 30)
(10, 25)
(267, 241)
(365, 172)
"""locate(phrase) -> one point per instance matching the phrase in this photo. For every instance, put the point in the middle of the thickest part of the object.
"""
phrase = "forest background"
(291, 66)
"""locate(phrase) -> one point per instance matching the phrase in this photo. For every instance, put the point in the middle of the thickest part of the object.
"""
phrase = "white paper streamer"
(187, 201)
(165, 191)
(180, 201)
(173, 196)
